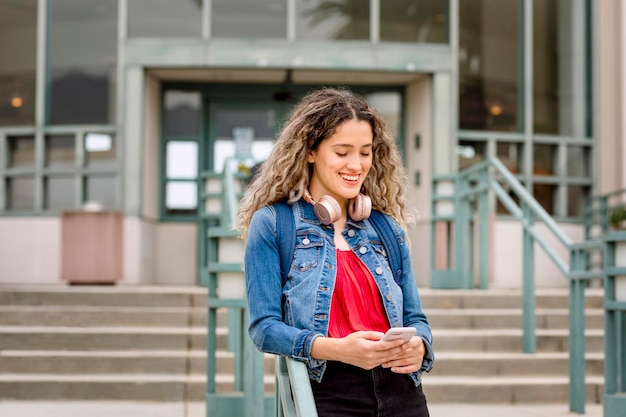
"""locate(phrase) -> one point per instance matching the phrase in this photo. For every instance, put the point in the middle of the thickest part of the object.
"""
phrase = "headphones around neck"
(328, 210)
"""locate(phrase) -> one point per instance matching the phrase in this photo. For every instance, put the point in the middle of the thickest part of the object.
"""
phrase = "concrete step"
(512, 363)
(111, 316)
(501, 390)
(102, 295)
(507, 390)
(139, 387)
(149, 343)
(194, 362)
(510, 340)
(117, 362)
(168, 296)
(504, 299)
(176, 338)
(491, 318)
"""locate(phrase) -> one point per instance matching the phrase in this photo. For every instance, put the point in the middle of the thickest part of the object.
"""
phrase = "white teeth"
(350, 177)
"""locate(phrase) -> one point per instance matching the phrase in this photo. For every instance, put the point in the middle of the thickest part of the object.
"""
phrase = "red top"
(356, 303)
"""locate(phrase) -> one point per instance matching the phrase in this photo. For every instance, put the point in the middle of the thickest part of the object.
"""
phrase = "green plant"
(618, 217)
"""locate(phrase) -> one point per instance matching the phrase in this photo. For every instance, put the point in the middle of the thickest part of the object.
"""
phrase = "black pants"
(347, 390)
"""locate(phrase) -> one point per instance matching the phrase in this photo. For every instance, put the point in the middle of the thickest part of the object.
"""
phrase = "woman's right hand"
(363, 349)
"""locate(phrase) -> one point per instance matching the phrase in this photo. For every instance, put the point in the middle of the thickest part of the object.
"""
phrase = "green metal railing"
(614, 399)
(293, 396)
(471, 198)
(293, 389)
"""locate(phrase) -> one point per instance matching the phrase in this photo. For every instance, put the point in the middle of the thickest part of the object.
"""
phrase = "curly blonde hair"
(286, 173)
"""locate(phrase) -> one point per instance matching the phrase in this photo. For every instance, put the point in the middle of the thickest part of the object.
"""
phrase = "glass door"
(245, 130)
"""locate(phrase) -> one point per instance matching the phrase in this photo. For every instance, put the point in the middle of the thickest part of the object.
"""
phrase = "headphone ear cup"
(360, 207)
(327, 210)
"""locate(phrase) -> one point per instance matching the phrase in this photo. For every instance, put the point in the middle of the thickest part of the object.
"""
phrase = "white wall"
(30, 250)
(419, 122)
(506, 255)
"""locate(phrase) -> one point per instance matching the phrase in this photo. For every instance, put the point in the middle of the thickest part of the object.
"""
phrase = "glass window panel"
(511, 156)
(578, 161)
(181, 195)
(545, 195)
(182, 113)
(101, 190)
(471, 153)
(18, 36)
(575, 198)
(339, 19)
(249, 19)
(21, 151)
(261, 121)
(82, 61)
(60, 151)
(489, 65)
(557, 88)
(58, 193)
(164, 18)
(389, 105)
(20, 194)
(545, 161)
(181, 160)
(424, 21)
(246, 132)
(100, 151)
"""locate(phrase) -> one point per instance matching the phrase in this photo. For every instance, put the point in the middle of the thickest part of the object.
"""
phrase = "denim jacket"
(285, 319)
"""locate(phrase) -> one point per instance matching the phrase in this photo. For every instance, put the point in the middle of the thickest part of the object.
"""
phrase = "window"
(558, 82)
(82, 57)
(65, 178)
(20, 193)
(489, 78)
(249, 19)
(492, 101)
(18, 35)
(318, 19)
(181, 172)
(182, 132)
(21, 151)
(422, 21)
(164, 18)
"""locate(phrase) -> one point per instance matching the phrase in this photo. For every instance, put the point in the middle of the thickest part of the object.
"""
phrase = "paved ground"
(151, 409)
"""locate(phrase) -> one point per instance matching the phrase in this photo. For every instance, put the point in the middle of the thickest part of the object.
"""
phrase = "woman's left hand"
(410, 360)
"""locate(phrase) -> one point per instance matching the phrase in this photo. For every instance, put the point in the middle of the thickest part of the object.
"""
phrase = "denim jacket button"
(363, 250)
(379, 270)
(389, 297)
(351, 233)
(306, 241)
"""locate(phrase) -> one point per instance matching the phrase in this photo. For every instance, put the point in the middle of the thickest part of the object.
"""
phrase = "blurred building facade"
(128, 102)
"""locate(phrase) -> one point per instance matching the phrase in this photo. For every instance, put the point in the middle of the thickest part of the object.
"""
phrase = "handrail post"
(483, 229)
(253, 384)
(528, 271)
(460, 231)
(576, 335)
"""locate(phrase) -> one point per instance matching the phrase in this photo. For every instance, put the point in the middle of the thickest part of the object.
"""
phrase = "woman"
(333, 160)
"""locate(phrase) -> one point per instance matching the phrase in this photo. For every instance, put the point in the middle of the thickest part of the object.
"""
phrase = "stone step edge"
(201, 378)
(20, 308)
(200, 353)
(200, 330)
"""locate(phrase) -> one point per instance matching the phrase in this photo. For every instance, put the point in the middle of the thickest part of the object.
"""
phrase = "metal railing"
(471, 211)
(293, 396)
(293, 389)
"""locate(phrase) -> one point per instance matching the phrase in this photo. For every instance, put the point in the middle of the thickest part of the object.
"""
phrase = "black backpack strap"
(286, 237)
(384, 229)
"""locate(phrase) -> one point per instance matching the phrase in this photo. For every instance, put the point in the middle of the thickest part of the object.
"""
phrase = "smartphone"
(404, 333)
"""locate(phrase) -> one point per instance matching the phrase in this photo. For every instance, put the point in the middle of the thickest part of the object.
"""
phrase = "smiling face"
(341, 162)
